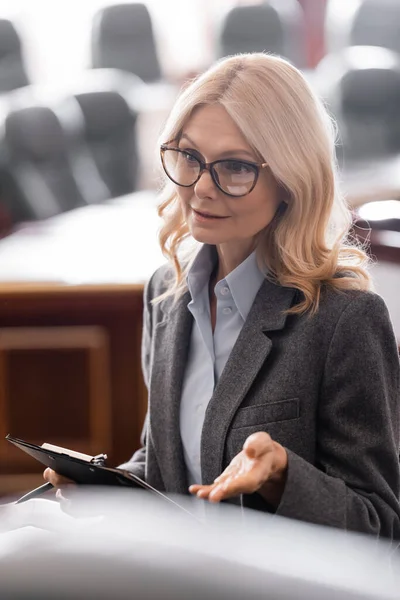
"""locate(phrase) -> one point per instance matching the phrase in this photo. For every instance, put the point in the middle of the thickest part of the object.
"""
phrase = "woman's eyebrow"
(227, 153)
(188, 139)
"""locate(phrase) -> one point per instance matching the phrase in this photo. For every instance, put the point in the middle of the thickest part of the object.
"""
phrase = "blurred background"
(84, 91)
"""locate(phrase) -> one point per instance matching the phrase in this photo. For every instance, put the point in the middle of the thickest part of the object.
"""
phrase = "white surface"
(141, 545)
(38, 513)
(108, 243)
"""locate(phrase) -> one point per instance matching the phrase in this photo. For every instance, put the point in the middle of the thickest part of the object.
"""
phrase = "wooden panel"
(117, 311)
(55, 387)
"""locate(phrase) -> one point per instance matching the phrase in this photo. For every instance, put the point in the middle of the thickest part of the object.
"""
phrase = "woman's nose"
(205, 186)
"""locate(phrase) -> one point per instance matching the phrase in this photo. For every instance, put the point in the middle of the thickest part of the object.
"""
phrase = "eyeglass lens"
(233, 176)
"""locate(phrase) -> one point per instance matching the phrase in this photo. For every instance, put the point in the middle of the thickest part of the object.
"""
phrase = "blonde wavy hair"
(306, 245)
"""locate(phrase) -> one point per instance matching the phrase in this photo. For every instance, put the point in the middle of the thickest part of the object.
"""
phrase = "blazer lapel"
(246, 359)
(172, 339)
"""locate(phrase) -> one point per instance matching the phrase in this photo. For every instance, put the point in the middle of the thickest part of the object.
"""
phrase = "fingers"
(201, 491)
(227, 486)
(70, 501)
(232, 486)
(65, 504)
(246, 483)
(55, 479)
(62, 484)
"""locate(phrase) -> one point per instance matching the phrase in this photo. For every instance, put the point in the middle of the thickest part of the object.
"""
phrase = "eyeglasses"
(233, 177)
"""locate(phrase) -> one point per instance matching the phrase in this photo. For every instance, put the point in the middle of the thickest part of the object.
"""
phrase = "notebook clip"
(99, 460)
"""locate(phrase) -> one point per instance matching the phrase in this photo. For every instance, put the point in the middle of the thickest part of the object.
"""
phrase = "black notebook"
(83, 468)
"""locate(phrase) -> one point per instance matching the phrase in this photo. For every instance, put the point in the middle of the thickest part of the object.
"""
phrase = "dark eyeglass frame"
(210, 168)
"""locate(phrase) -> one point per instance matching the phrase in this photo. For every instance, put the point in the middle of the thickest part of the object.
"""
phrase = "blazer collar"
(270, 305)
(171, 343)
(244, 363)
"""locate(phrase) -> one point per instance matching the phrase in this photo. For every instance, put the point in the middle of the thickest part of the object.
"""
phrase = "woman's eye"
(189, 155)
(189, 158)
(236, 167)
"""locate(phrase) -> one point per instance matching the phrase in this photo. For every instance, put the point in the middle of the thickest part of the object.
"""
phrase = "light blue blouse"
(209, 352)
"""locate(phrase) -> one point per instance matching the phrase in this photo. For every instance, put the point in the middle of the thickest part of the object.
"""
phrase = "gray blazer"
(326, 387)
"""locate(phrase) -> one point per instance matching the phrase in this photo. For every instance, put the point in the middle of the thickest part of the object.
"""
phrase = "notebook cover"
(83, 472)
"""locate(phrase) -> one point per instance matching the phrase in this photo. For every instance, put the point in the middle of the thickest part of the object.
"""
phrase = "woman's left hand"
(260, 467)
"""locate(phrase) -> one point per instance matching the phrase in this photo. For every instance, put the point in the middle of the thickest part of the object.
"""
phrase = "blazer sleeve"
(137, 462)
(355, 483)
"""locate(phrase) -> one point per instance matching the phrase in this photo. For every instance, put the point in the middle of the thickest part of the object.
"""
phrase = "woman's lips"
(206, 216)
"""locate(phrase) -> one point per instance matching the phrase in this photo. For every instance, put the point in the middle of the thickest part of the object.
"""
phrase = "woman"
(272, 369)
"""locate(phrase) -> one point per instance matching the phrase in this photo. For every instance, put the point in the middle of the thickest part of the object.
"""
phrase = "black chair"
(12, 69)
(274, 26)
(377, 23)
(367, 23)
(44, 166)
(364, 95)
(123, 38)
(370, 100)
(110, 135)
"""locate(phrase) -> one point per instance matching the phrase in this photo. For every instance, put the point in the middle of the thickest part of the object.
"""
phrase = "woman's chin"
(206, 237)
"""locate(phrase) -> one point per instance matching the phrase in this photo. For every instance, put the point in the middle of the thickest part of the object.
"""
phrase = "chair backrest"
(362, 23)
(12, 69)
(110, 134)
(39, 181)
(45, 168)
(370, 106)
(364, 97)
(377, 23)
(123, 38)
(273, 26)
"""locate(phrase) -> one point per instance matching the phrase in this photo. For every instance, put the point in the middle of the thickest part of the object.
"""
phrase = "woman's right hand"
(55, 479)
(69, 496)
(60, 483)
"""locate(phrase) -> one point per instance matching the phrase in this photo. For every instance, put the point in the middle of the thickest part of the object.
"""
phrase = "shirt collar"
(243, 282)
(200, 272)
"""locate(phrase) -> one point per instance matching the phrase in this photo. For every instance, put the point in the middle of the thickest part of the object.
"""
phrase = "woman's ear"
(283, 194)
(280, 211)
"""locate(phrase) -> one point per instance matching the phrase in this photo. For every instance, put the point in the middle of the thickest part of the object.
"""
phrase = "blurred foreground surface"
(129, 544)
